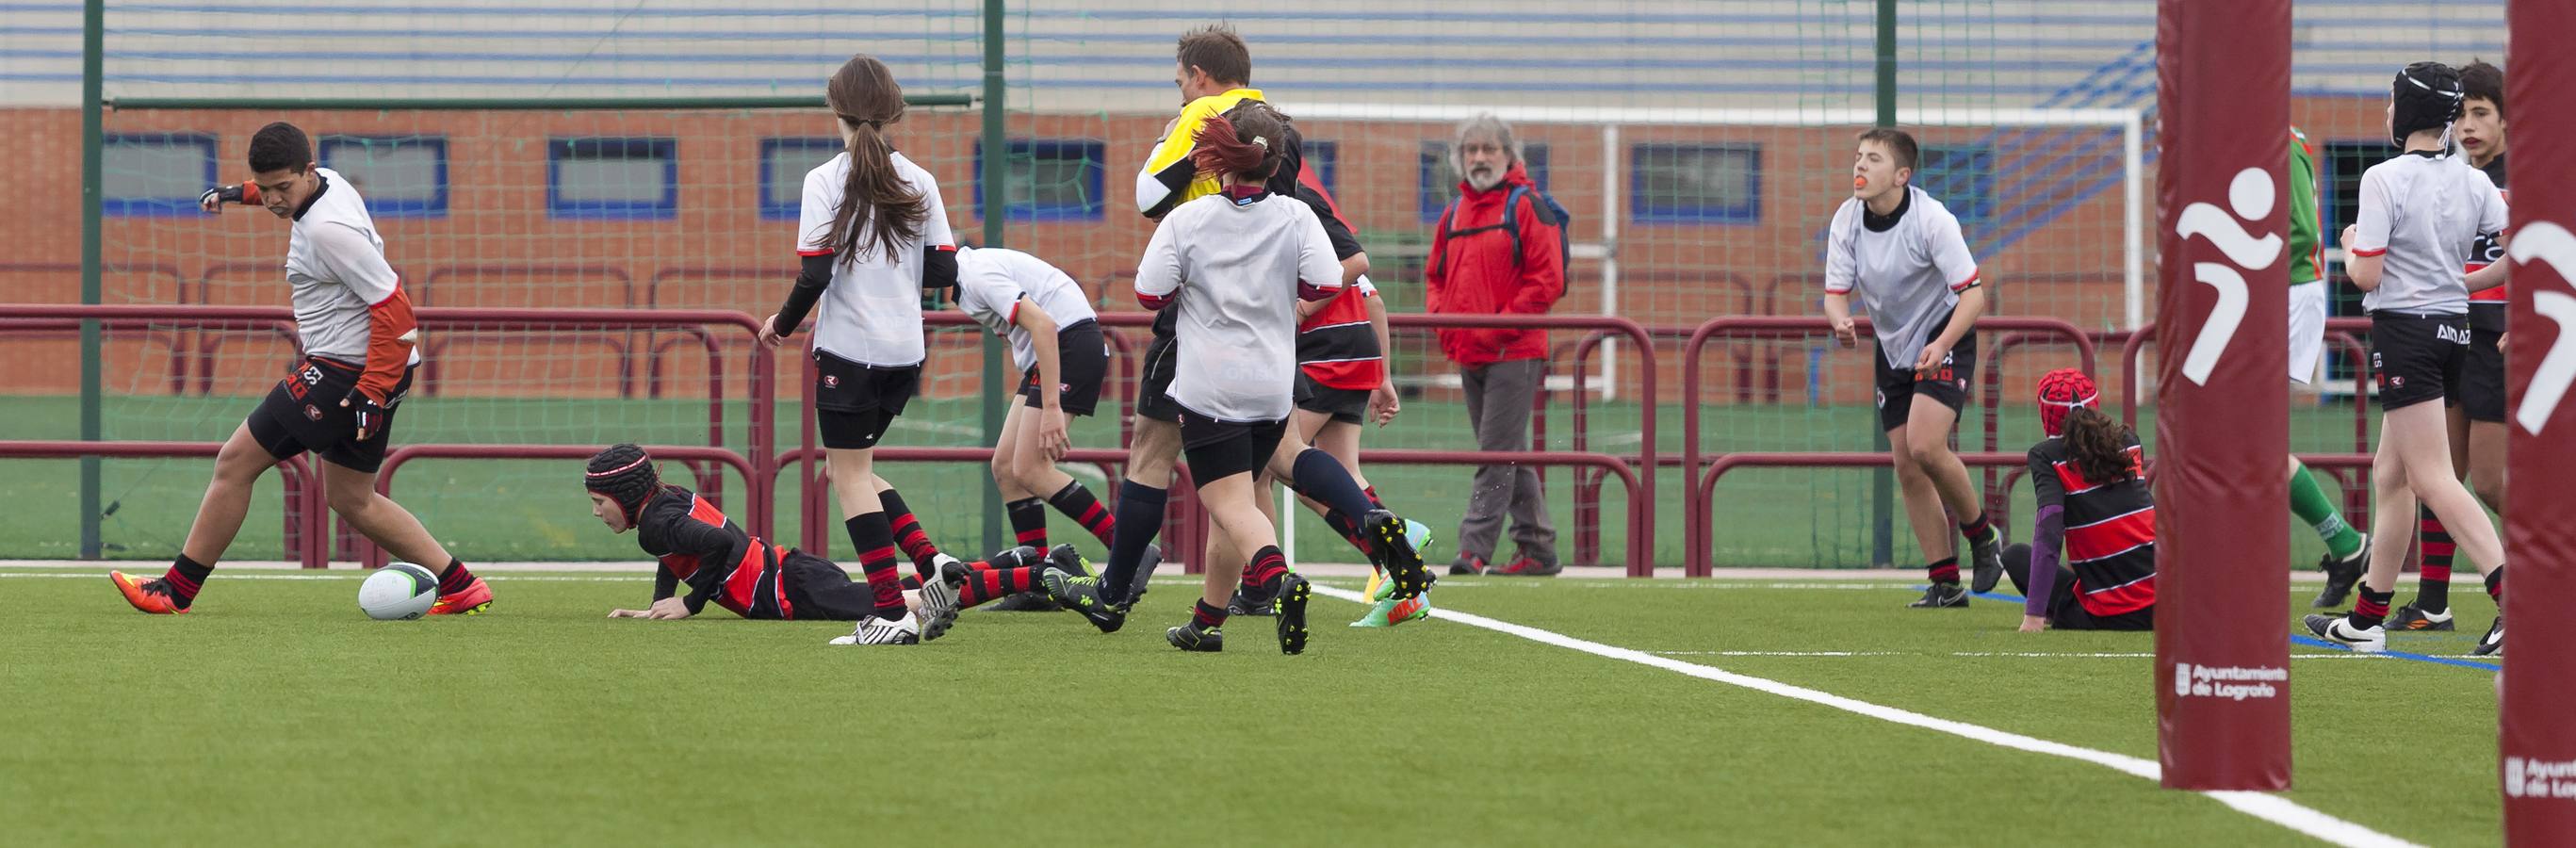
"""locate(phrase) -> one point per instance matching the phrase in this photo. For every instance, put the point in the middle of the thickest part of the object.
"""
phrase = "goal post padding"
(2222, 418)
(2538, 757)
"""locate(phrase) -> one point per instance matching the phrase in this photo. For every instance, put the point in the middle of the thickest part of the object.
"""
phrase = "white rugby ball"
(399, 591)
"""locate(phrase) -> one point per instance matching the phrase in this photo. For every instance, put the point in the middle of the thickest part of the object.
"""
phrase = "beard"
(1484, 179)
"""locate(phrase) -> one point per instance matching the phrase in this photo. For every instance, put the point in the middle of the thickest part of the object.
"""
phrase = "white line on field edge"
(2271, 808)
(2081, 655)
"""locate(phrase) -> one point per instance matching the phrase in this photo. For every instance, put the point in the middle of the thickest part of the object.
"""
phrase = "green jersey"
(2305, 257)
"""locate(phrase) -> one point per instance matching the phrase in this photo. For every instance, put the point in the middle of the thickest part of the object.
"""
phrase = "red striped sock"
(2371, 609)
(906, 531)
(1028, 522)
(1944, 570)
(2433, 585)
(455, 578)
(1076, 502)
(185, 577)
(1207, 616)
(874, 540)
(1371, 492)
(1267, 565)
(992, 584)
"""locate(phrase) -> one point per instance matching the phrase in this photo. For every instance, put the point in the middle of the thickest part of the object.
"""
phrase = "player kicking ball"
(355, 325)
(722, 564)
(1902, 249)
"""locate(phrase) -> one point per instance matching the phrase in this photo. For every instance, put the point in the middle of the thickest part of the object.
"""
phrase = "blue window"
(1962, 177)
(1695, 183)
(401, 176)
(613, 178)
(783, 164)
(1052, 180)
(1323, 158)
(1440, 182)
(155, 173)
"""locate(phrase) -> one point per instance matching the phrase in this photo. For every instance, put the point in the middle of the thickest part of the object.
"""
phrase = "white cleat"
(2339, 630)
(939, 604)
(877, 631)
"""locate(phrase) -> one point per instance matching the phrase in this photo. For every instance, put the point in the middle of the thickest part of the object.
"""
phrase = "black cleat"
(1291, 605)
(2491, 643)
(1189, 637)
(1987, 555)
(1403, 563)
(1144, 573)
(2341, 575)
(1941, 595)
(2414, 617)
(1249, 600)
(1082, 595)
(1070, 560)
(1027, 602)
(2339, 630)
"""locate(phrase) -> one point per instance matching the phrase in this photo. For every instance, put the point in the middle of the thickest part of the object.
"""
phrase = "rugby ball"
(398, 592)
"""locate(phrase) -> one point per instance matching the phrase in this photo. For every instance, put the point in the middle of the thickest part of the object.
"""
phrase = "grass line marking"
(2271, 808)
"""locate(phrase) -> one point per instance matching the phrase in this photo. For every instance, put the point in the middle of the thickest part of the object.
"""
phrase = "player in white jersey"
(1903, 251)
(338, 401)
(1057, 346)
(2419, 215)
(873, 235)
(1236, 264)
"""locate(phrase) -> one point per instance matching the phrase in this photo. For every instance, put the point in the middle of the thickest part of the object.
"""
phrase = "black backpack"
(1547, 208)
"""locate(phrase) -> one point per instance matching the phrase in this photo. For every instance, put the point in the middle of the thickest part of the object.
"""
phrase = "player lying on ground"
(873, 236)
(1057, 346)
(2420, 213)
(1903, 251)
(2476, 425)
(2089, 479)
(2347, 550)
(354, 323)
(720, 563)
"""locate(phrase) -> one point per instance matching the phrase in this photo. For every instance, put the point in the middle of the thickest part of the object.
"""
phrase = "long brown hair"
(1247, 142)
(863, 94)
(2099, 446)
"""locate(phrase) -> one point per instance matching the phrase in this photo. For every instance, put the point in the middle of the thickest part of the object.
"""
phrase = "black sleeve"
(1345, 243)
(664, 584)
(814, 276)
(938, 267)
(675, 532)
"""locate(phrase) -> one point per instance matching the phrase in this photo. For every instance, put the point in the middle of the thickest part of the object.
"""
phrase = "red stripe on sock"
(2437, 573)
(180, 584)
(2445, 550)
(1945, 573)
(2370, 609)
(1032, 536)
(1095, 513)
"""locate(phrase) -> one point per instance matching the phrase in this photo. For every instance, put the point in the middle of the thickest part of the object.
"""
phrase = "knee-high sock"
(1140, 516)
(1077, 503)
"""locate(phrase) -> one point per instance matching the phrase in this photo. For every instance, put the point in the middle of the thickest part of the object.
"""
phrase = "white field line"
(2131, 655)
(2271, 808)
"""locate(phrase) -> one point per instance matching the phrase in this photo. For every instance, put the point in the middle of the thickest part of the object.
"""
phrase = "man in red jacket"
(1476, 270)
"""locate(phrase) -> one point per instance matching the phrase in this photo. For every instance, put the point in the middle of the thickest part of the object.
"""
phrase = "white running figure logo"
(2251, 195)
(2551, 243)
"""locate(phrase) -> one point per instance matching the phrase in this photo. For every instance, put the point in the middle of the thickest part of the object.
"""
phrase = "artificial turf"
(276, 714)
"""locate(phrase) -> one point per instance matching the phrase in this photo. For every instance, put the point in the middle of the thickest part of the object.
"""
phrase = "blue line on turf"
(2295, 639)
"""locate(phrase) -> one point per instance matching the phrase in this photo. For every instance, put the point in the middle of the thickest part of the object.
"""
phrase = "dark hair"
(625, 474)
(279, 146)
(1248, 141)
(863, 94)
(1898, 142)
(2424, 96)
(2099, 446)
(2482, 81)
(1216, 49)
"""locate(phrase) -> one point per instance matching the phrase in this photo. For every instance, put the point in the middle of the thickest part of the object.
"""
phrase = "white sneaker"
(939, 603)
(2339, 630)
(877, 631)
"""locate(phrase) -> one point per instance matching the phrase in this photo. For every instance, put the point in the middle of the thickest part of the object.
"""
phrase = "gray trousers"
(1498, 407)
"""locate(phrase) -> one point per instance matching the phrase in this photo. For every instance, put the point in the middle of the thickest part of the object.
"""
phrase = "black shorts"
(855, 403)
(1154, 395)
(2482, 377)
(303, 413)
(2418, 358)
(1947, 384)
(820, 591)
(1082, 360)
(1349, 406)
(1220, 449)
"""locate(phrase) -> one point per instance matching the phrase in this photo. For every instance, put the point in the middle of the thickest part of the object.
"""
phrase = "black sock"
(908, 534)
(873, 538)
(1207, 617)
(2433, 581)
(1140, 516)
(1076, 503)
(455, 578)
(2495, 586)
(185, 577)
(1944, 570)
(1323, 478)
(1267, 567)
(2372, 609)
(1028, 522)
(1975, 531)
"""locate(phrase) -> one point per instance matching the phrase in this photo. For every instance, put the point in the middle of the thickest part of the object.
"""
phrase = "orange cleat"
(471, 600)
(146, 595)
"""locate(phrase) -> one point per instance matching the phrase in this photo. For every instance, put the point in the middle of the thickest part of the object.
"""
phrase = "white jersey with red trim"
(1909, 266)
(2422, 214)
(336, 263)
(991, 283)
(871, 313)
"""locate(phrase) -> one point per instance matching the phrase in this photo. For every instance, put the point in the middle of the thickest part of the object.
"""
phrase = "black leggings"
(821, 591)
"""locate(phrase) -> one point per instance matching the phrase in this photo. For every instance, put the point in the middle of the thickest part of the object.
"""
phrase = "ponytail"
(1248, 143)
(2099, 446)
(879, 210)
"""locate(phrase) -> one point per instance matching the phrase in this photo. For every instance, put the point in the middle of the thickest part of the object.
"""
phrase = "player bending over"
(873, 235)
(1902, 249)
(2420, 213)
(355, 325)
(2089, 477)
(722, 564)
(1056, 344)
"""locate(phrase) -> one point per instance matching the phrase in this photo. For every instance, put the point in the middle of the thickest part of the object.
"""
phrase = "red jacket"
(1475, 273)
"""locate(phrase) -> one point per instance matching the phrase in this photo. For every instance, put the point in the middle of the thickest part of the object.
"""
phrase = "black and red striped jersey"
(719, 561)
(2110, 529)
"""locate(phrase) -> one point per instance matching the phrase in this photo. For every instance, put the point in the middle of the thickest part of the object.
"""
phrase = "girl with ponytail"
(873, 236)
(2090, 481)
